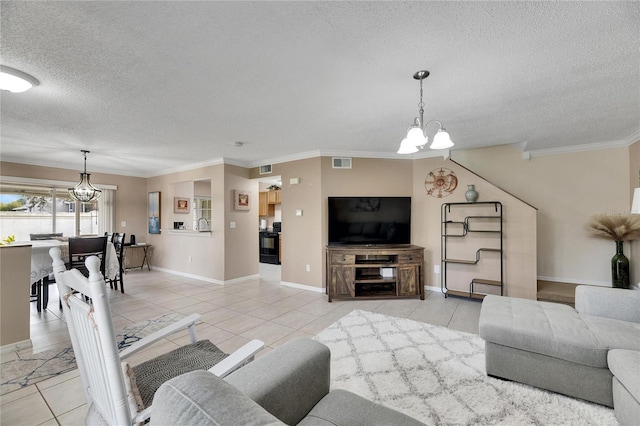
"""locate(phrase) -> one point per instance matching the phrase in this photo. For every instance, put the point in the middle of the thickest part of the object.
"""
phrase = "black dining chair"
(81, 248)
(119, 243)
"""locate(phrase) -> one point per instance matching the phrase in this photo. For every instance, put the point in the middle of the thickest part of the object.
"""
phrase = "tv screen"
(369, 220)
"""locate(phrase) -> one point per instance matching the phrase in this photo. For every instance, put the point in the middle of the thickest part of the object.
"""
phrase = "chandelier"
(84, 191)
(416, 139)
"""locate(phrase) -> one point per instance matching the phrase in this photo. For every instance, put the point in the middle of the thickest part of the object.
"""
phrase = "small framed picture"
(181, 205)
(241, 200)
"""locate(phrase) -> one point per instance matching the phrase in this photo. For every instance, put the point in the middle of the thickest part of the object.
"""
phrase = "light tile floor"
(231, 316)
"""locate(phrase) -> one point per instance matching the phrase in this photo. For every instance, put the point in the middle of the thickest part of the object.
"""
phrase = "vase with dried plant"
(619, 228)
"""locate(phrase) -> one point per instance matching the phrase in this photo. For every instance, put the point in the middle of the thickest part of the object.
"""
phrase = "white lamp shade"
(407, 147)
(15, 81)
(441, 140)
(635, 205)
(416, 137)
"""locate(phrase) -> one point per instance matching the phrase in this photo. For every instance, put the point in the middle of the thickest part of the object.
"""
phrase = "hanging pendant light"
(84, 191)
(416, 139)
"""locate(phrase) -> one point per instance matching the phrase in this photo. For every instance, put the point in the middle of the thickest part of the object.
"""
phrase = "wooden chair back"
(81, 248)
(93, 338)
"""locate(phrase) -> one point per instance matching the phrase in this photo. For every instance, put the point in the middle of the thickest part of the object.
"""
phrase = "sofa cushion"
(625, 366)
(554, 330)
(613, 333)
(615, 303)
(343, 408)
(200, 398)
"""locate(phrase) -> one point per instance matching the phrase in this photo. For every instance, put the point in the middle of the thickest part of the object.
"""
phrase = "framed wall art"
(154, 212)
(181, 205)
(241, 200)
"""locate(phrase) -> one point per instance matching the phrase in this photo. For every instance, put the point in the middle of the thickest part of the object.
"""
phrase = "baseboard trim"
(303, 287)
(207, 279)
(14, 347)
(574, 281)
(434, 289)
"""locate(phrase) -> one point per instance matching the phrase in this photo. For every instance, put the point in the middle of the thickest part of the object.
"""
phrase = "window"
(202, 214)
(39, 209)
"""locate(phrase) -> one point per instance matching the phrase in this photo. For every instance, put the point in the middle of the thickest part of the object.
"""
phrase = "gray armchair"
(289, 385)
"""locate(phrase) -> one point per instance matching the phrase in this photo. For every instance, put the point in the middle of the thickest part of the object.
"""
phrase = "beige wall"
(130, 197)
(567, 189)
(226, 253)
(302, 236)
(14, 295)
(634, 182)
(519, 232)
(241, 242)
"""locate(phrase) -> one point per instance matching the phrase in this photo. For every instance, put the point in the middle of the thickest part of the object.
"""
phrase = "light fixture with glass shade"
(84, 191)
(16, 81)
(416, 139)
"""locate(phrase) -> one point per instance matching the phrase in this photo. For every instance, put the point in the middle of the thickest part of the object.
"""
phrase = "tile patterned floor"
(231, 316)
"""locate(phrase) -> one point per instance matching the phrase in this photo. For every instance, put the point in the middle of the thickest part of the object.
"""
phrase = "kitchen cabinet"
(264, 208)
(273, 197)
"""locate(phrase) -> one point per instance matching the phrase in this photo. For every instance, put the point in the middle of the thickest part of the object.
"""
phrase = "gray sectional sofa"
(576, 352)
(289, 385)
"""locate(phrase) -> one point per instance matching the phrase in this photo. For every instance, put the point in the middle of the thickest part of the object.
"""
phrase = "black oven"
(270, 247)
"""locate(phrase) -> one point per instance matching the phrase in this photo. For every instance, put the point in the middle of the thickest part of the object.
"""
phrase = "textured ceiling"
(151, 87)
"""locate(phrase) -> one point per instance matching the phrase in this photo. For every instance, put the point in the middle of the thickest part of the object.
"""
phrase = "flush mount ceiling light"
(416, 139)
(15, 81)
(84, 191)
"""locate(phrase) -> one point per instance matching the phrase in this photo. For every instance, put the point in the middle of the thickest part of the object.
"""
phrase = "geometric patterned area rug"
(34, 368)
(437, 375)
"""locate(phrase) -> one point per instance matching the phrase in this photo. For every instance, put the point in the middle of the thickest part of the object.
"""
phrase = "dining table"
(42, 264)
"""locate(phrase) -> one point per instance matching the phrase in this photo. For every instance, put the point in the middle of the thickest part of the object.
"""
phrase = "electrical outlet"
(123, 224)
(190, 259)
(232, 225)
(436, 269)
(308, 268)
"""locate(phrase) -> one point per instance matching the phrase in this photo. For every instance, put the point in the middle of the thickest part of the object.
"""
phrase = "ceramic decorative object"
(471, 195)
(619, 268)
(440, 182)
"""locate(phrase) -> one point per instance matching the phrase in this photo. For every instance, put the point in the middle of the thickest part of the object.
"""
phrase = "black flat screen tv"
(369, 220)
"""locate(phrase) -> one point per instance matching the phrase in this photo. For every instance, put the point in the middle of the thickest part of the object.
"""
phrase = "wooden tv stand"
(375, 272)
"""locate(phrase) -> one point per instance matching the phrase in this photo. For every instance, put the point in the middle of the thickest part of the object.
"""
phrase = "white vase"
(471, 195)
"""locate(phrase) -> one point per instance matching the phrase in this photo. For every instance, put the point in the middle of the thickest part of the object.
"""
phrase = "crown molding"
(622, 143)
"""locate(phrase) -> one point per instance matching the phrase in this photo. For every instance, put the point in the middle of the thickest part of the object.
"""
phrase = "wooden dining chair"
(81, 248)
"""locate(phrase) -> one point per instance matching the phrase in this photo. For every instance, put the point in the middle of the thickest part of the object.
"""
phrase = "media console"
(375, 272)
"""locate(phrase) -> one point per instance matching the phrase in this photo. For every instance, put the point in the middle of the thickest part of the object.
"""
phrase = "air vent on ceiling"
(341, 162)
(265, 170)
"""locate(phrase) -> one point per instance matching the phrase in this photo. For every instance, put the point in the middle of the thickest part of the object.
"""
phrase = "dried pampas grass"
(615, 227)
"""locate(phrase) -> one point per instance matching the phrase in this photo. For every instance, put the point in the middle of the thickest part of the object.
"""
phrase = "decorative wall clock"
(440, 182)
